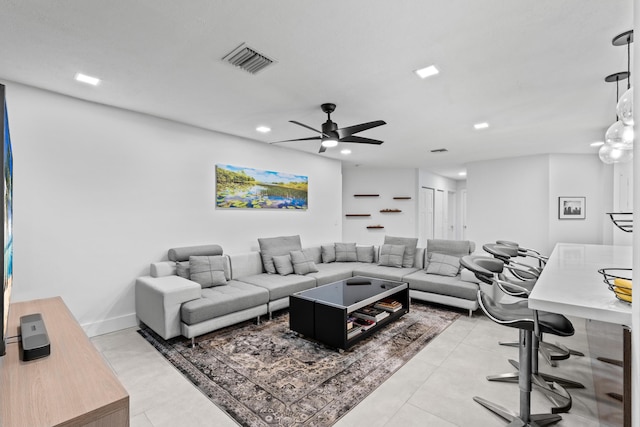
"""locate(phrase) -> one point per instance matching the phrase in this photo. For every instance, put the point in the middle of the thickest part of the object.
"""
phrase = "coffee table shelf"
(321, 313)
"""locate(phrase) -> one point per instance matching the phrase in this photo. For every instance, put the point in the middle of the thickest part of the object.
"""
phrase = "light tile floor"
(435, 388)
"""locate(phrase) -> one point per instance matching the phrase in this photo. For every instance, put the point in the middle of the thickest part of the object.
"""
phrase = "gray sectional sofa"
(200, 289)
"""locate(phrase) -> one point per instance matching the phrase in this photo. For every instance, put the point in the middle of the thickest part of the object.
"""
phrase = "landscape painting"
(245, 188)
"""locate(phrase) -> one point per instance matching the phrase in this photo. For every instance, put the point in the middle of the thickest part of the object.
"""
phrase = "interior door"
(439, 217)
(426, 214)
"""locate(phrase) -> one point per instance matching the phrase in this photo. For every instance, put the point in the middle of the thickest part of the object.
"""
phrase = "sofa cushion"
(314, 254)
(457, 248)
(209, 270)
(391, 255)
(346, 252)
(328, 253)
(382, 272)
(222, 300)
(301, 264)
(183, 254)
(442, 285)
(443, 265)
(280, 286)
(410, 244)
(283, 264)
(332, 272)
(272, 246)
(364, 253)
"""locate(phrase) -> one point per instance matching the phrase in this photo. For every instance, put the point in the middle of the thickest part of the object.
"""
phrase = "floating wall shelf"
(366, 195)
(375, 226)
(402, 198)
(390, 210)
(358, 215)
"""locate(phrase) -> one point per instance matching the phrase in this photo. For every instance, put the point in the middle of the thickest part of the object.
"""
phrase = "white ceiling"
(533, 69)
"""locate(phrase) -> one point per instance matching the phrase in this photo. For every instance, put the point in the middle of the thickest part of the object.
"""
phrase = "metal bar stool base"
(552, 378)
(514, 419)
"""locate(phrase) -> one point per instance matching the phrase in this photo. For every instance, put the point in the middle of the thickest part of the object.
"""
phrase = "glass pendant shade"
(625, 107)
(609, 154)
(619, 136)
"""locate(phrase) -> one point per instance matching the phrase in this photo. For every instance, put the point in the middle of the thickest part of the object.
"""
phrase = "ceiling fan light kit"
(331, 135)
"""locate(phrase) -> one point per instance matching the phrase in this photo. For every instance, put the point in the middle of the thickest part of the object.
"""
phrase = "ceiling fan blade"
(361, 140)
(308, 127)
(311, 138)
(322, 149)
(350, 130)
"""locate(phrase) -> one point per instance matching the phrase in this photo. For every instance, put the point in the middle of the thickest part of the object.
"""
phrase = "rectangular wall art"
(245, 188)
(572, 207)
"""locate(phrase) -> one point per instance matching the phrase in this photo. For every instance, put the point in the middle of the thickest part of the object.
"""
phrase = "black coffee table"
(321, 313)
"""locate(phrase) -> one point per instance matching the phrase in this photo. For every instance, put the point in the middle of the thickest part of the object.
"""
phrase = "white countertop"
(570, 283)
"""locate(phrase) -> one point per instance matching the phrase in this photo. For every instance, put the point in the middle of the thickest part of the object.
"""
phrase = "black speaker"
(35, 341)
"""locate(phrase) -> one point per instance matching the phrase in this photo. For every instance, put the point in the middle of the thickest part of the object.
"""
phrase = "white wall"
(581, 175)
(388, 183)
(102, 192)
(517, 199)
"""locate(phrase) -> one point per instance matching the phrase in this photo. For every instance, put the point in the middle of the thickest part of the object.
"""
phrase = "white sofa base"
(191, 331)
(444, 299)
(278, 304)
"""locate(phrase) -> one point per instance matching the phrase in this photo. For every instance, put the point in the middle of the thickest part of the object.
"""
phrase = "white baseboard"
(110, 325)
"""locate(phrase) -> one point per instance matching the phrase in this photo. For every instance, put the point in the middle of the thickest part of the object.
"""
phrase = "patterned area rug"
(266, 375)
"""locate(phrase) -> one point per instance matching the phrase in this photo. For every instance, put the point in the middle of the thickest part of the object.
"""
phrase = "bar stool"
(522, 288)
(518, 315)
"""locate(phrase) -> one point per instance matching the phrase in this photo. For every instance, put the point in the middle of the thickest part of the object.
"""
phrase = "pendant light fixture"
(618, 146)
(625, 104)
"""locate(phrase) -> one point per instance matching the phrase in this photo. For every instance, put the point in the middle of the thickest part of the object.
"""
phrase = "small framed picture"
(572, 207)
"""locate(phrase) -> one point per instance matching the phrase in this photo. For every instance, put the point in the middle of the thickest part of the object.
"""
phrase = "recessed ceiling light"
(423, 73)
(462, 174)
(482, 125)
(94, 81)
(597, 144)
(263, 129)
(345, 151)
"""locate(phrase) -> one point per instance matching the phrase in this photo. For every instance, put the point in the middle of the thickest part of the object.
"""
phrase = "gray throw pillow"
(301, 264)
(364, 253)
(283, 264)
(328, 253)
(410, 244)
(391, 255)
(182, 269)
(443, 265)
(273, 246)
(209, 271)
(346, 252)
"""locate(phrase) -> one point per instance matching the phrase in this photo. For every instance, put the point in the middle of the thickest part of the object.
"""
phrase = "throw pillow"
(301, 264)
(443, 265)
(273, 246)
(346, 252)
(364, 253)
(209, 271)
(328, 253)
(283, 264)
(391, 255)
(410, 244)
(182, 269)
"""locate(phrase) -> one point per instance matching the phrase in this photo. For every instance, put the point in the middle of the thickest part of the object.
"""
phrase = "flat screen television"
(7, 216)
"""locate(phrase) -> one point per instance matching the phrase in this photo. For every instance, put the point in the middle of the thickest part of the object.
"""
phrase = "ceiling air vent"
(439, 150)
(248, 59)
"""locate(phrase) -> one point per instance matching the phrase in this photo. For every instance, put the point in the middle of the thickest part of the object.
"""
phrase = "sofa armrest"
(158, 302)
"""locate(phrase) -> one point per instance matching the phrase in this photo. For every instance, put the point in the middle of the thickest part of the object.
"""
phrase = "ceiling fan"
(331, 135)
